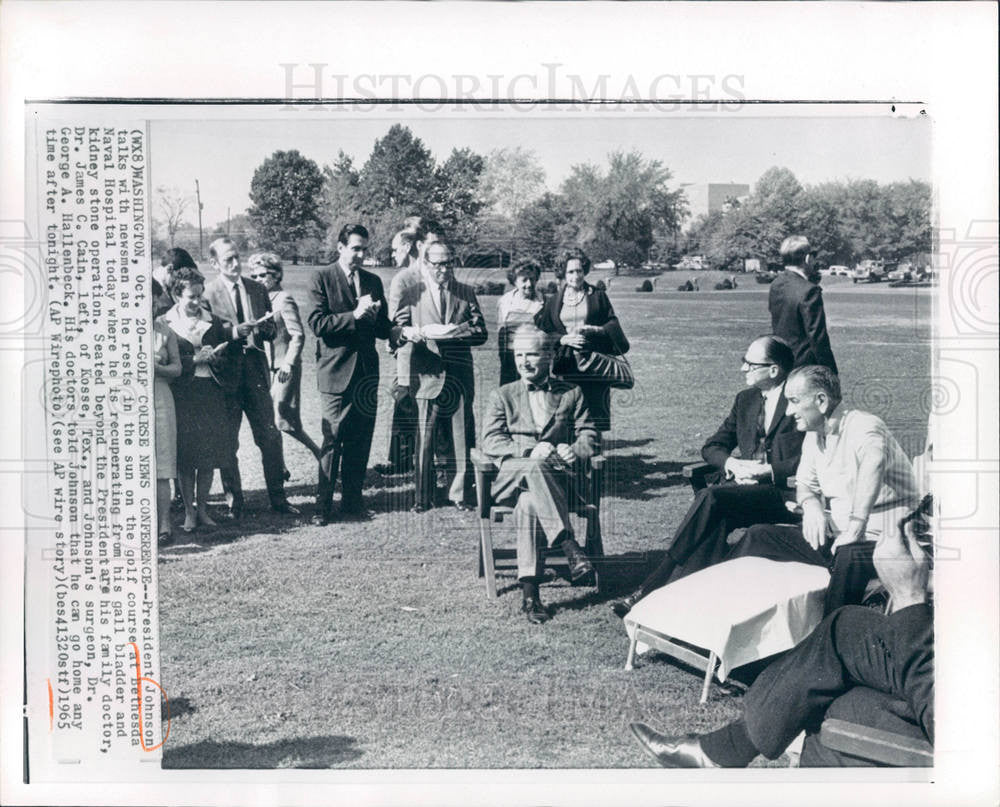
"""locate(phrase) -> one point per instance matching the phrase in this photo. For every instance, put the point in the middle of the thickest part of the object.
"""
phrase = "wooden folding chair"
(491, 559)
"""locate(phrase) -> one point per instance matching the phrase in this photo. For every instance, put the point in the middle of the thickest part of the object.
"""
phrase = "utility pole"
(228, 217)
(201, 238)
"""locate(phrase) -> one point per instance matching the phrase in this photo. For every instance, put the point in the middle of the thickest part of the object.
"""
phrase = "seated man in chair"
(855, 651)
(749, 489)
(539, 432)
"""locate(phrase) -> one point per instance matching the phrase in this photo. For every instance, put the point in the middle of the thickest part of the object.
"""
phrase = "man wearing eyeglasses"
(744, 490)
(348, 312)
(440, 317)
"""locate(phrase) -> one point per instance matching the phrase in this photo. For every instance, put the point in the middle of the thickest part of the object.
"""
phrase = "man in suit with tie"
(348, 312)
(539, 430)
(441, 321)
(242, 304)
(751, 486)
(796, 305)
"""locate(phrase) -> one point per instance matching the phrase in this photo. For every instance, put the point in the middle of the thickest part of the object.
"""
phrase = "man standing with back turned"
(347, 313)
(796, 305)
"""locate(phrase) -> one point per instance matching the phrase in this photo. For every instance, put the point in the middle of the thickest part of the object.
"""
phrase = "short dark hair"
(351, 229)
(428, 226)
(523, 269)
(175, 257)
(779, 352)
(182, 279)
(794, 250)
(572, 254)
(157, 288)
(818, 378)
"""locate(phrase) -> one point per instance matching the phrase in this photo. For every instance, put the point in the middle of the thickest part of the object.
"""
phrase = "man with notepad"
(245, 308)
(440, 317)
(347, 313)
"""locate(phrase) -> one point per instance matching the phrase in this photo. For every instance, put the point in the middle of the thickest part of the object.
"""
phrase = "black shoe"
(319, 519)
(286, 508)
(672, 752)
(356, 514)
(535, 611)
(579, 566)
(419, 508)
(622, 607)
(462, 507)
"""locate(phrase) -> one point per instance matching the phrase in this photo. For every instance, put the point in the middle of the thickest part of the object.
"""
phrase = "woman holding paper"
(166, 368)
(591, 342)
(202, 436)
(286, 349)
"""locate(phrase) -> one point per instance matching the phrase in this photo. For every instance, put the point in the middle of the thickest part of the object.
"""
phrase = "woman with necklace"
(585, 320)
(202, 441)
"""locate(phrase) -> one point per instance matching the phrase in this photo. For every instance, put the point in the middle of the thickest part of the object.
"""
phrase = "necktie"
(761, 452)
(352, 279)
(240, 316)
(442, 299)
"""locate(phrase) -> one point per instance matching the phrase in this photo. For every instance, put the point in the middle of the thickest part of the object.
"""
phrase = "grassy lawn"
(374, 646)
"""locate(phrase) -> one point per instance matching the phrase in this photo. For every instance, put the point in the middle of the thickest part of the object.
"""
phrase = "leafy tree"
(621, 211)
(459, 197)
(240, 229)
(513, 179)
(340, 203)
(286, 192)
(399, 173)
(545, 228)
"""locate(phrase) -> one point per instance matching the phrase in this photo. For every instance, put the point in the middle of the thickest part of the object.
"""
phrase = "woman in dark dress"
(589, 333)
(202, 438)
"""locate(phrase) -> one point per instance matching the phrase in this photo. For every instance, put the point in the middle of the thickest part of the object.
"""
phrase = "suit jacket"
(289, 336)
(510, 429)
(599, 312)
(797, 316)
(431, 361)
(246, 357)
(215, 334)
(783, 442)
(341, 340)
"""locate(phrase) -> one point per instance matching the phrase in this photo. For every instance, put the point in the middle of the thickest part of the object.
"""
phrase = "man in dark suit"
(539, 430)
(440, 319)
(242, 304)
(754, 486)
(348, 312)
(859, 665)
(796, 305)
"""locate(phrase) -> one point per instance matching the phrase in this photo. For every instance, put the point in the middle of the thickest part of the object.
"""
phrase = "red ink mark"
(139, 678)
(48, 682)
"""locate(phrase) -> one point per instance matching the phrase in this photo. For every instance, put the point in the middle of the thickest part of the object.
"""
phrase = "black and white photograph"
(402, 431)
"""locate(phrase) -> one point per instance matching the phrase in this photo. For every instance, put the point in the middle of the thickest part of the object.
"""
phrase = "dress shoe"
(672, 752)
(462, 507)
(286, 508)
(356, 514)
(319, 519)
(579, 566)
(419, 508)
(622, 607)
(535, 611)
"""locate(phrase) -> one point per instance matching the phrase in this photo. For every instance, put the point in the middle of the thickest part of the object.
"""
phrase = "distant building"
(707, 197)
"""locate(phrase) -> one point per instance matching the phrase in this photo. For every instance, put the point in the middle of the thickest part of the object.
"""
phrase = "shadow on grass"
(635, 476)
(311, 752)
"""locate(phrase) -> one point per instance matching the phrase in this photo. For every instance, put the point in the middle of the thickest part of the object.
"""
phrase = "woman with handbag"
(592, 345)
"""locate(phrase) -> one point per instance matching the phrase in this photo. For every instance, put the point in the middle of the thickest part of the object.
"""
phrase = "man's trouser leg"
(336, 409)
(356, 434)
(232, 483)
(779, 542)
(259, 409)
(425, 476)
(848, 648)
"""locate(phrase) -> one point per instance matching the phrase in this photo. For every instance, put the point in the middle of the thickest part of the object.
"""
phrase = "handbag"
(615, 371)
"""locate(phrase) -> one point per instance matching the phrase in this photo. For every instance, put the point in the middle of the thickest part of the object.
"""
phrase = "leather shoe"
(535, 611)
(672, 752)
(286, 508)
(319, 519)
(356, 514)
(462, 507)
(419, 508)
(579, 566)
(622, 607)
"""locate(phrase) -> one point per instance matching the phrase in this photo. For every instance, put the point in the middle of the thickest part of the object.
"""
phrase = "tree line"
(497, 208)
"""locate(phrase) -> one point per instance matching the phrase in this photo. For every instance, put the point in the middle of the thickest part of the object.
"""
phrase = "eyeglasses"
(748, 363)
(445, 264)
(259, 275)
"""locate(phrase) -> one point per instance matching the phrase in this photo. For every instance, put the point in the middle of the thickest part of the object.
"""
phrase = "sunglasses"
(257, 275)
(756, 363)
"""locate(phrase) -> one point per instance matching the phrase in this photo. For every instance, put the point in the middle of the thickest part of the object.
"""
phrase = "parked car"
(869, 271)
(902, 272)
(840, 271)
